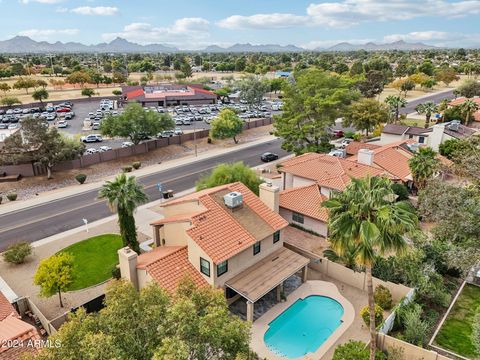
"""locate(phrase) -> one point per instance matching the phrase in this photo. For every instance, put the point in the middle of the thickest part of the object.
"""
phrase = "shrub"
(357, 137)
(209, 140)
(383, 297)
(401, 191)
(81, 178)
(17, 253)
(12, 196)
(365, 314)
(349, 134)
(136, 165)
(476, 330)
(117, 92)
(127, 169)
(416, 329)
(355, 350)
(116, 272)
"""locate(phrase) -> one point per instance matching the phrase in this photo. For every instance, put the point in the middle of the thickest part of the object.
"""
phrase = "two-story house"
(226, 237)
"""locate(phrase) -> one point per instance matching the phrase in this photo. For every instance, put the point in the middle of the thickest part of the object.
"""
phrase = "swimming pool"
(304, 326)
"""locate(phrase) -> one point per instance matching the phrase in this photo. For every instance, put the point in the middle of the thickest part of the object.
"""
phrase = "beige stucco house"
(226, 237)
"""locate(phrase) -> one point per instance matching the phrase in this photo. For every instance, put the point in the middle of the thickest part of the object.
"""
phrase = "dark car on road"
(268, 156)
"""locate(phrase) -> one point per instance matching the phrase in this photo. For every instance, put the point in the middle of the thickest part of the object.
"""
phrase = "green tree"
(354, 350)
(10, 101)
(366, 216)
(312, 102)
(467, 160)
(373, 84)
(469, 89)
(41, 83)
(79, 77)
(468, 108)
(230, 173)
(366, 114)
(124, 195)
(252, 90)
(192, 323)
(276, 84)
(24, 83)
(186, 70)
(427, 68)
(448, 147)
(446, 75)
(136, 123)
(226, 125)
(428, 108)
(40, 95)
(395, 103)
(5, 88)
(54, 275)
(88, 92)
(39, 144)
(423, 165)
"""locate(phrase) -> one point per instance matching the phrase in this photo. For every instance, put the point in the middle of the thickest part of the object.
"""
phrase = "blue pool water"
(304, 326)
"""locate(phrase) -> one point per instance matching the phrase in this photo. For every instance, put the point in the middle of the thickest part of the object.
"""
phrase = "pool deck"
(311, 287)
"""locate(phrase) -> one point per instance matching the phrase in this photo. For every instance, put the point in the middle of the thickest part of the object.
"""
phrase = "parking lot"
(85, 114)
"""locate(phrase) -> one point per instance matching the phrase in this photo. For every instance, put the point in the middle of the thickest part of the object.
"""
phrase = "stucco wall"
(299, 181)
(175, 233)
(386, 343)
(390, 138)
(310, 224)
(194, 254)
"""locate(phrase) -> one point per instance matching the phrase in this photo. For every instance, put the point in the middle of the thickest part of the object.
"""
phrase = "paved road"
(38, 222)
(436, 98)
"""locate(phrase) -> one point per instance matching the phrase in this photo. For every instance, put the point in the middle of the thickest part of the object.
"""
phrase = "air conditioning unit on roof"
(233, 199)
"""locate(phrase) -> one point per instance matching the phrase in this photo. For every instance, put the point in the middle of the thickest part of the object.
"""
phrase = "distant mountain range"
(370, 46)
(23, 44)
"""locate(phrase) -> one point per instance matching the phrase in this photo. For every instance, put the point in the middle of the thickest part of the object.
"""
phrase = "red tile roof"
(328, 171)
(135, 93)
(171, 267)
(354, 146)
(6, 308)
(305, 200)
(217, 231)
(461, 100)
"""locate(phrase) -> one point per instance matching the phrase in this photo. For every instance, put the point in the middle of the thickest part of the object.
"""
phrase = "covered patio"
(266, 275)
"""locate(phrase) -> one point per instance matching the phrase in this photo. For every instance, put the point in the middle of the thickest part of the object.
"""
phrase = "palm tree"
(346, 257)
(367, 217)
(428, 109)
(124, 194)
(467, 109)
(395, 103)
(423, 166)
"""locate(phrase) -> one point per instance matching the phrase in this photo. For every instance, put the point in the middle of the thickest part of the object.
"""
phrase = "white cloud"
(42, 34)
(97, 10)
(41, 1)
(346, 13)
(262, 21)
(182, 31)
(439, 38)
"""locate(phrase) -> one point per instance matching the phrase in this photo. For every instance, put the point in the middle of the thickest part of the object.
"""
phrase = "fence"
(88, 160)
(24, 304)
(410, 352)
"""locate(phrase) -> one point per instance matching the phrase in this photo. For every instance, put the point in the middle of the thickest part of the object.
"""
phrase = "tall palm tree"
(423, 166)
(468, 108)
(123, 195)
(367, 217)
(428, 109)
(395, 103)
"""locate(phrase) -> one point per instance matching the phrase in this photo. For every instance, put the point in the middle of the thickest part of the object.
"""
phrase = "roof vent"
(233, 199)
(454, 125)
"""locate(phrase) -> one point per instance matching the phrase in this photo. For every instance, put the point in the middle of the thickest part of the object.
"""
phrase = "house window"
(205, 267)
(276, 236)
(297, 218)
(410, 136)
(421, 140)
(256, 248)
(222, 268)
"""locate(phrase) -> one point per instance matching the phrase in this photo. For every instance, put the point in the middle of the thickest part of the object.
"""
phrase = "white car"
(13, 126)
(62, 124)
(91, 138)
(126, 144)
(90, 151)
(104, 148)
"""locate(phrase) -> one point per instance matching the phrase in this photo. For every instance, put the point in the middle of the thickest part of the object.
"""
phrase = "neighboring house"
(5, 133)
(433, 136)
(301, 206)
(226, 237)
(461, 100)
(17, 336)
(353, 147)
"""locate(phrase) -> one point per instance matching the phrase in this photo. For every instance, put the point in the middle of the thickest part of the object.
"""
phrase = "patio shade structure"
(267, 274)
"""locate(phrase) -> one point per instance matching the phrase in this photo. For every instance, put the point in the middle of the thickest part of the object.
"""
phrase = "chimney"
(365, 156)
(435, 138)
(128, 265)
(270, 195)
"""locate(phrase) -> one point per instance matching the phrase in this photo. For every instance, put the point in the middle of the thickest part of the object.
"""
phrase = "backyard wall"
(410, 352)
(88, 160)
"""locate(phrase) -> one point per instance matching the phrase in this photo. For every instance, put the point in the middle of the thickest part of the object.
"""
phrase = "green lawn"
(94, 259)
(457, 328)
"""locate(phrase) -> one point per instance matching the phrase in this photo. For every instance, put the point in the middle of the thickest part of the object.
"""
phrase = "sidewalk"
(66, 192)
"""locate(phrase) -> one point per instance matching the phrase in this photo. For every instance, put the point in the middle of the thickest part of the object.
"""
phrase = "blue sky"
(192, 24)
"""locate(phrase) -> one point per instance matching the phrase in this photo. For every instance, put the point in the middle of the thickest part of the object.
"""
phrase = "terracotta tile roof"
(461, 100)
(135, 93)
(476, 116)
(354, 146)
(175, 218)
(219, 231)
(6, 308)
(328, 171)
(305, 200)
(157, 253)
(171, 268)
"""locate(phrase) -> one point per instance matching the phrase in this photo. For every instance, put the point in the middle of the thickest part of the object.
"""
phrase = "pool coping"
(311, 287)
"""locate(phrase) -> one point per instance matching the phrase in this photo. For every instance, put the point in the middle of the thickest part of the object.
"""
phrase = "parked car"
(13, 126)
(178, 131)
(104, 148)
(90, 151)
(166, 134)
(63, 110)
(268, 156)
(126, 144)
(96, 126)
(51, 117)
(91, 138)
(62, 124)
(69, 116)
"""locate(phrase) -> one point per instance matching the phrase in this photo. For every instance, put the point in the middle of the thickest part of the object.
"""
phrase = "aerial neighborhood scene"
(248, 180)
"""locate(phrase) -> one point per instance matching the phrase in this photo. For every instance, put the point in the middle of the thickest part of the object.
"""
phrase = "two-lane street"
(51, 218)
(436, 98)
